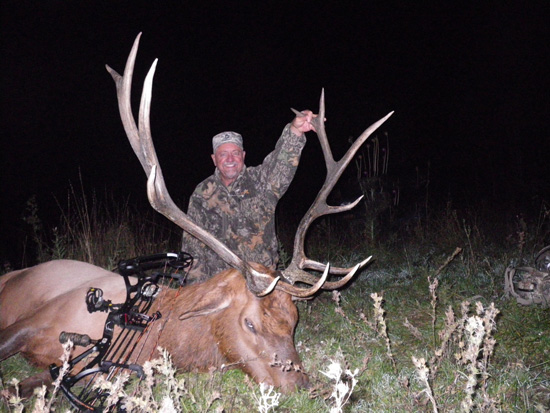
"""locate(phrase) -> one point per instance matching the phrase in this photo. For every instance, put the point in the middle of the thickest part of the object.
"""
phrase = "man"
(237, 203)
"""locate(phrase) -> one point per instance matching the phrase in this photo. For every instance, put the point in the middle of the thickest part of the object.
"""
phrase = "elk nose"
(299, 381)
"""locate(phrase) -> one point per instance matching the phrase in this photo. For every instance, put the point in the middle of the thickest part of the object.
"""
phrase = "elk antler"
(295, 271)
(258, 282)
(142, 143)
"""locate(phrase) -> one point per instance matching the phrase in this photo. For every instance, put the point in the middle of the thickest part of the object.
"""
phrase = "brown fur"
(213, 324)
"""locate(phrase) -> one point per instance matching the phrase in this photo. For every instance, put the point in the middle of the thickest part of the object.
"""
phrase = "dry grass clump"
(344, 382)
(98, 232)
(268, 398)
(43, 400)
(474, 344)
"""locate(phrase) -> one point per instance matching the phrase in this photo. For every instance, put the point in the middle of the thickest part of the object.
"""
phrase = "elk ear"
(206, 306)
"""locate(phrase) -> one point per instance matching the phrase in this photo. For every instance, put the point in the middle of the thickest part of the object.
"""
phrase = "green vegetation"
(425, 327)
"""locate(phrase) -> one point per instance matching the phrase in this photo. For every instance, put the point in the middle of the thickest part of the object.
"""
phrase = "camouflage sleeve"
(279, 167)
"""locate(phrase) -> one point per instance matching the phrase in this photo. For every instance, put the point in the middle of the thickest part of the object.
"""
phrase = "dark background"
(468, 84)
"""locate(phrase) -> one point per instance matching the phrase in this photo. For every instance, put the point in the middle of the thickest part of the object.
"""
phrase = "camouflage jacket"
(243, 215)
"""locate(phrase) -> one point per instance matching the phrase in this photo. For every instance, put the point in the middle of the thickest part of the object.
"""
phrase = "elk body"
(243, 317)
(218, 322)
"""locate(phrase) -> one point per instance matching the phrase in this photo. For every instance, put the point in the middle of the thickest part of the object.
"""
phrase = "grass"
(424, 328)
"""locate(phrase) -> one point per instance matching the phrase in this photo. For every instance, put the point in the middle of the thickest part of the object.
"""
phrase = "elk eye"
(249, 325)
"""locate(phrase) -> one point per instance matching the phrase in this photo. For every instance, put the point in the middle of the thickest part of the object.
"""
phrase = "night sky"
(468, 84)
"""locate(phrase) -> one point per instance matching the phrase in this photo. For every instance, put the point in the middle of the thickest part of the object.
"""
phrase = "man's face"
(229, 159)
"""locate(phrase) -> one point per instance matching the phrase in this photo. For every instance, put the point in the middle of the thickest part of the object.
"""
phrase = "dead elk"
(243, 317)
(218, 322)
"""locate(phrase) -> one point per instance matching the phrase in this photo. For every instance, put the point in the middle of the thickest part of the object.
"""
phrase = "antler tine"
(307, 278)
(124, 89)
(306, 292)
(142, 143)
(295, 272)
